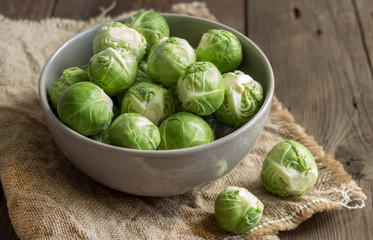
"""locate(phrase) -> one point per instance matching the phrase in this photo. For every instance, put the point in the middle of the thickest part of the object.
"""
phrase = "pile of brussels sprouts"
(144, 89)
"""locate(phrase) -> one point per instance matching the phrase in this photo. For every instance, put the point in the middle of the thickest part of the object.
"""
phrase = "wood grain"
(321, 52)
(323, 77)
(30, 9)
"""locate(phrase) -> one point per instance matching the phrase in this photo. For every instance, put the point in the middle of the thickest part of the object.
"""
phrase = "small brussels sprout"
(151, 25)
(118, 36)
(102, 136)
(168, 60)
(114, 71)
(116, 112)
(183, 130)
(69, 77)
(219, 129)
(242, 99)
(132, 130)
(289, 169)
(85, 108)
(237, 210)
(150, 100)
(142, 73)
(222, 48)
(201, 88)
(175, 97)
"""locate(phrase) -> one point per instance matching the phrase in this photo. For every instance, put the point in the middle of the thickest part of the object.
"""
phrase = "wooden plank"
(30, 9)
(324, 78)
(364, 12)
(231, 13)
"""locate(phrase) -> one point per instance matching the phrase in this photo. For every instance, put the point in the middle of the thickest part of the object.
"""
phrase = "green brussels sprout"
(151, 25)
(168, 60)
(201, 88)
(114, 71)
(85, 108)
(69, 77)
(175, 97)
(219, 129)
(102, 136)
(118, 36)
(116, 112)
(289, 169)
(150, 100)
(183, 130)
(237, 210)
(242, 99)
(142, 73)
(132, 130)
(222, 48)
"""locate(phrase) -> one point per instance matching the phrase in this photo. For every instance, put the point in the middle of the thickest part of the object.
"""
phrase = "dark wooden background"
(321, 52)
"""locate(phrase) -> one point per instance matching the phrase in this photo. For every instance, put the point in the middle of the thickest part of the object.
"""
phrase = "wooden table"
(322, 54)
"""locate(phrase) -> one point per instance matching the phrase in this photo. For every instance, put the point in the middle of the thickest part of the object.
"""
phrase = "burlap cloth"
(48, 198)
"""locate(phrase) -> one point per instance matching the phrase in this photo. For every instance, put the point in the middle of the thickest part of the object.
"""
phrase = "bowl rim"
(154, 153)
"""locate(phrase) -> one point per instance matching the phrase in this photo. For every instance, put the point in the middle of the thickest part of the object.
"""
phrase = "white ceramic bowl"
(166, 172)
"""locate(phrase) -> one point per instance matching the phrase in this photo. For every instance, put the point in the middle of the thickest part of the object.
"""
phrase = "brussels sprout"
(201, 88)
(102, 136)
(242, 99)
(219, 129)
(116, 112)
(183, 130)
(68, 78)
(237, 210)
(151, 25)
(289, 169)
(142, 73)
(114, 71)
(222, 48)
(118, 36)
(85, 108)
(150, 100)
(168, 60)
(175, 97)
(131, 130)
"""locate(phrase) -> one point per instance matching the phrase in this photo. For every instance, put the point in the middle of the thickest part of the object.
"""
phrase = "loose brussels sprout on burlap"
(118, 36)
(69, 77)
(201, 88)
(289, 169)
(85, 108)
(237, 210)
(132, 130)
(222, 48)
(142, 73)
(183, 130)
(151, 25)
(168, 60)
(150, 100)
(242, 99)
(114, 71)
